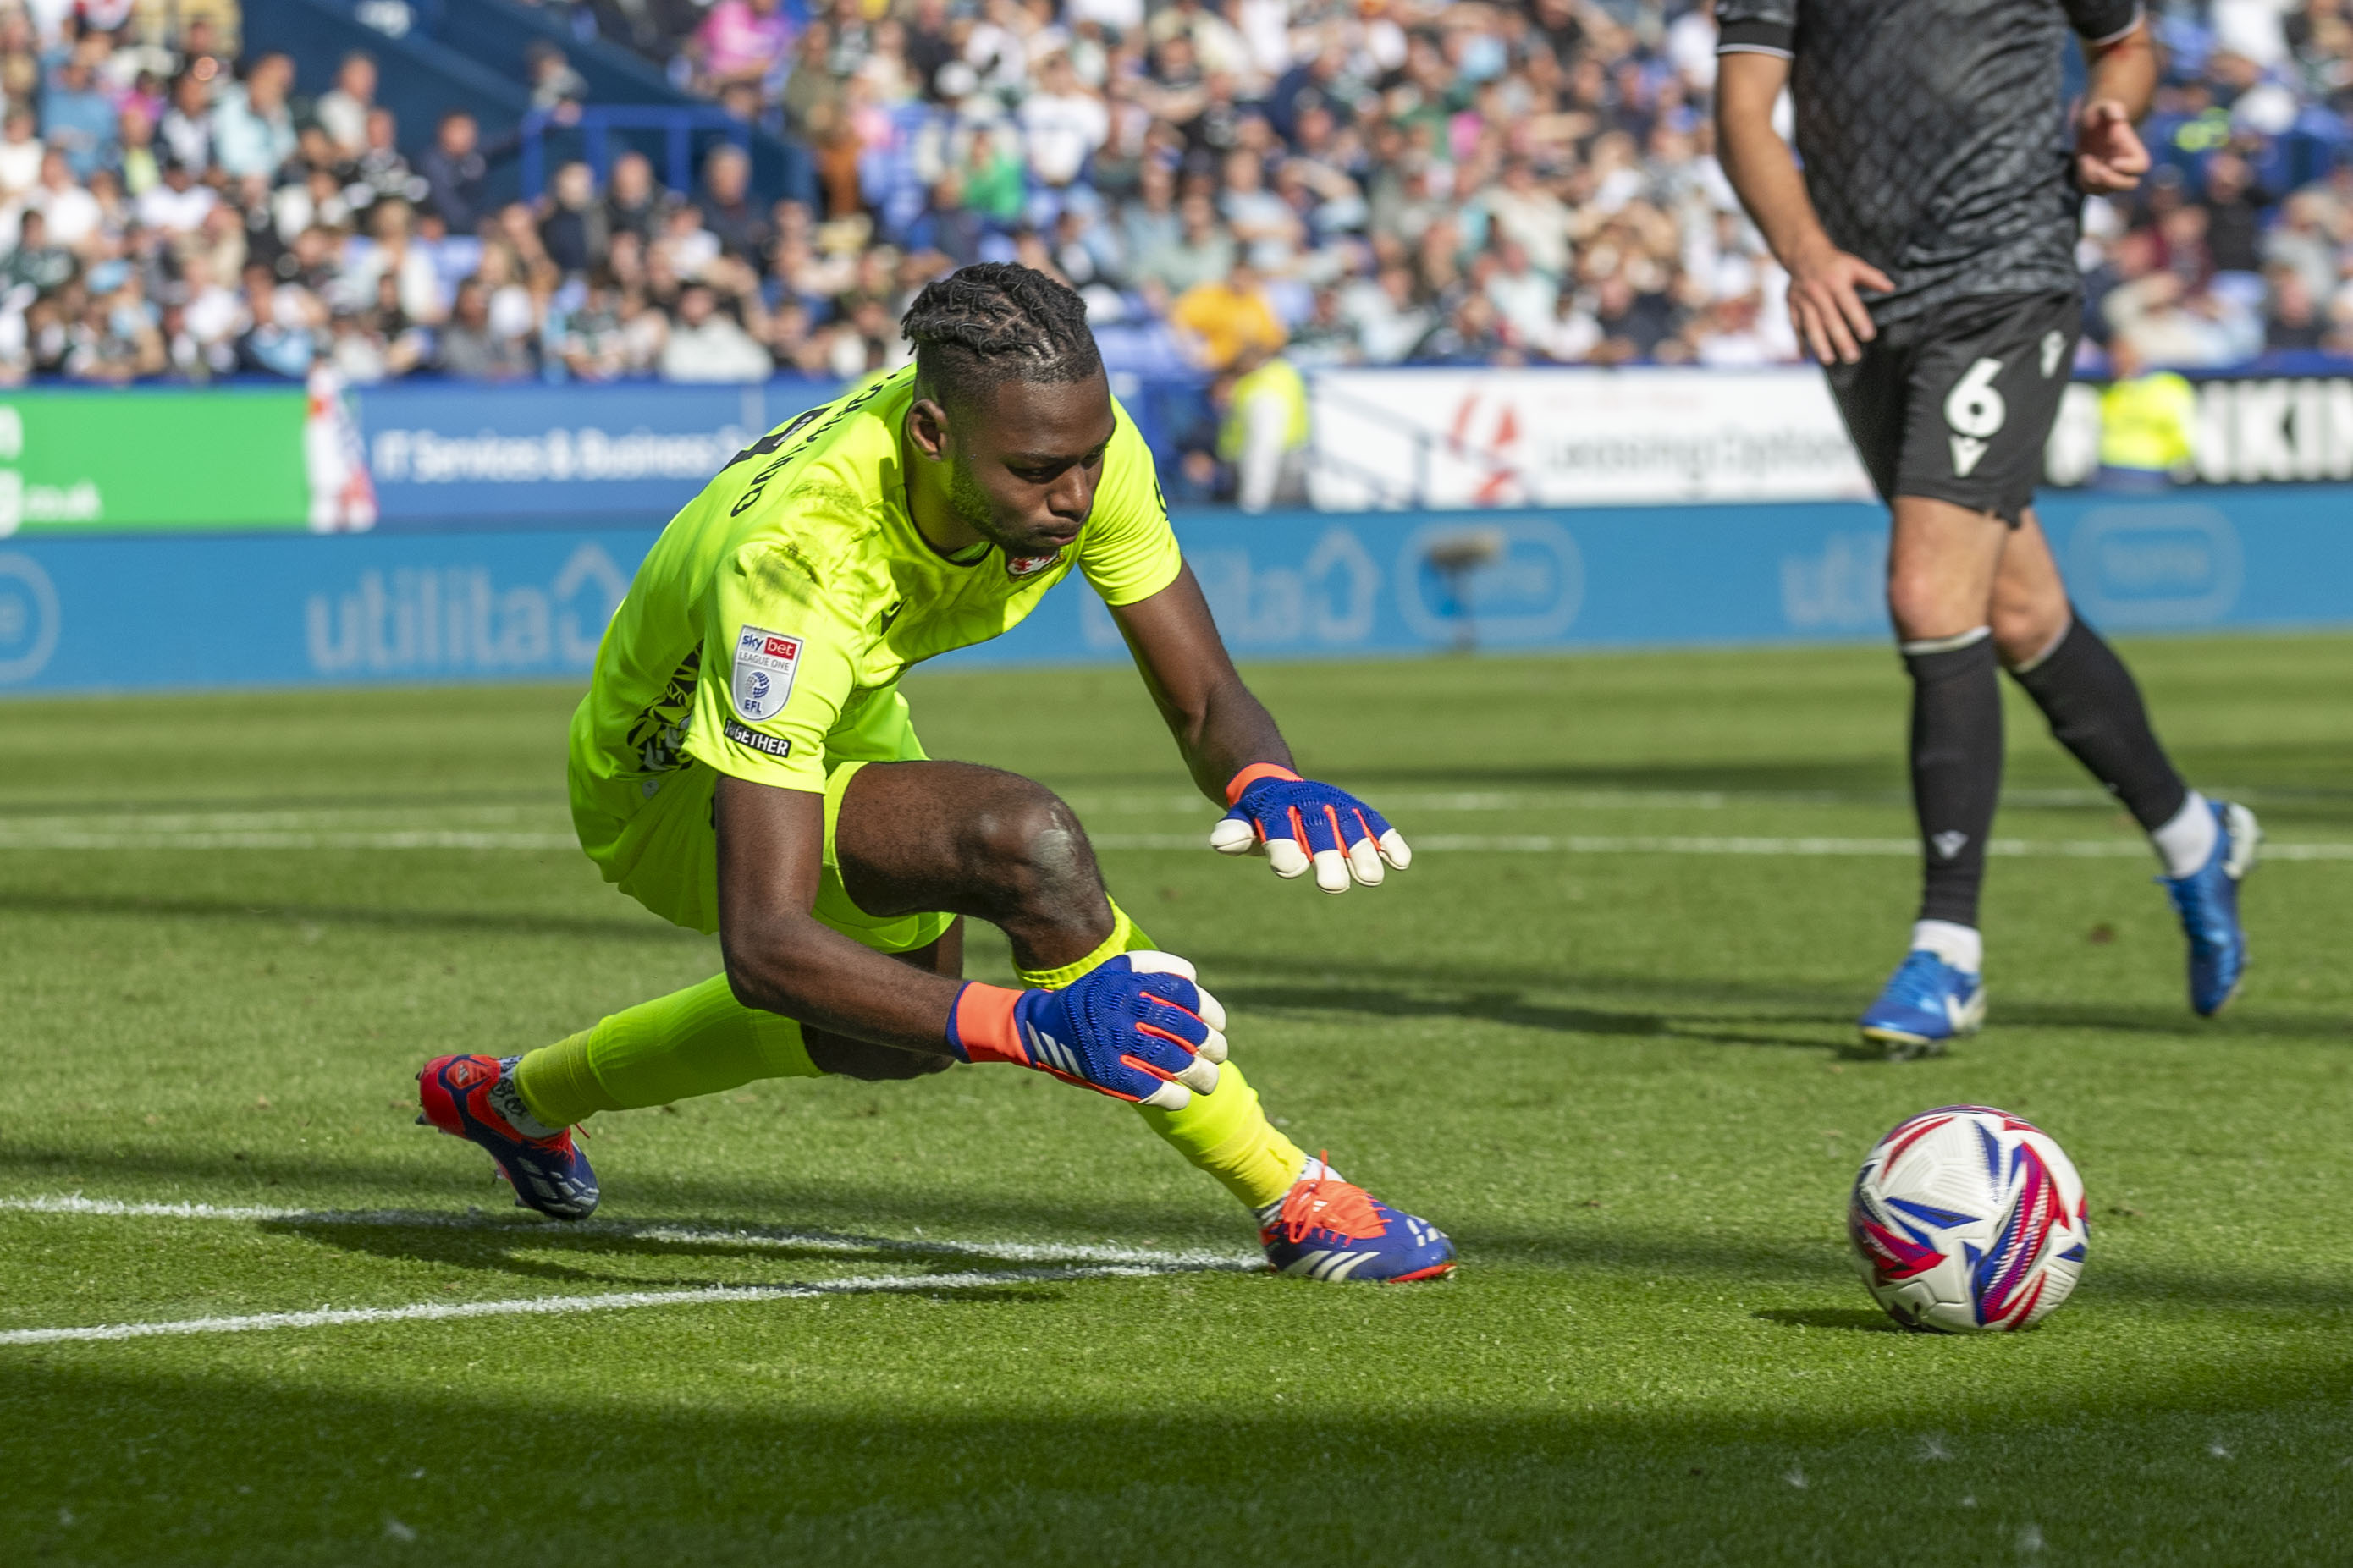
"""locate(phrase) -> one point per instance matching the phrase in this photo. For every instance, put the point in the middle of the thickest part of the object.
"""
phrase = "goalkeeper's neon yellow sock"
(1125, 936)
(1226, 1132)
(700, 1040)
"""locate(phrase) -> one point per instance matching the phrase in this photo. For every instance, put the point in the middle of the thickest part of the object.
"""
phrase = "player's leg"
(1942, 561)
(999, 847)
(2095, 711)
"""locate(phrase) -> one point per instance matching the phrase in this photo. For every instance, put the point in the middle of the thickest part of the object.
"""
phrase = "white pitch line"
(1574, 844)
(521, 1228)
(610, 1301)
(1441, 843)
(391, 838)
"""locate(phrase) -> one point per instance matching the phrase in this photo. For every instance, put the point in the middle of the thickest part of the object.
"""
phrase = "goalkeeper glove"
(1298, 823)
(1135, 1028)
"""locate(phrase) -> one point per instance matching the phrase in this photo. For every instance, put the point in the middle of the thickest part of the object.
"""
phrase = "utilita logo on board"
(459, 620)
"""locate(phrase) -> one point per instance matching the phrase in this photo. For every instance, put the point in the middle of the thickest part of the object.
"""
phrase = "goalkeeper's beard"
(973, 506)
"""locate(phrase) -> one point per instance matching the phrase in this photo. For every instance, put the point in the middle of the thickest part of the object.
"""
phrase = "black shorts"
(1955, 404)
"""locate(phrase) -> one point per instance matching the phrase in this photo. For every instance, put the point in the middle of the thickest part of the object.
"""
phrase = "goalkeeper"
(744, 764)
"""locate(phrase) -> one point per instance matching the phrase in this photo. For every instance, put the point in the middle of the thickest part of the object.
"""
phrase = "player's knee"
(1923, 605)
(1036, 852)
(2026, 625)
(2024, 634)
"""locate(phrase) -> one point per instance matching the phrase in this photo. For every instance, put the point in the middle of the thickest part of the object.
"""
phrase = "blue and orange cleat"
(1332, 1229)
(2208, 903)
(1927, 1002)
(474, 1097)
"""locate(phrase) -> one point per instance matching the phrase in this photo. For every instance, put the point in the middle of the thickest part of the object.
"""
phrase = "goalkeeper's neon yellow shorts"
(666, 855)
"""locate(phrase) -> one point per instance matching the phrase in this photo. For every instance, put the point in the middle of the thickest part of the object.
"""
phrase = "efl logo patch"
(1030, 566)
(765, 662)
(774, 745)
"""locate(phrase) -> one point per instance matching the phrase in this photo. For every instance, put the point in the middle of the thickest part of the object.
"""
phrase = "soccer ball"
(1969, 1220)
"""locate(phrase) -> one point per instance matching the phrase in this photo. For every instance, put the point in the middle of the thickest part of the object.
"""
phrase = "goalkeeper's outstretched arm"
(1238, 757)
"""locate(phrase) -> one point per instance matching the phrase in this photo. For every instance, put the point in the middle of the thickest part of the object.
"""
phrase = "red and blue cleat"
(1331, 1229)
(474, 1097)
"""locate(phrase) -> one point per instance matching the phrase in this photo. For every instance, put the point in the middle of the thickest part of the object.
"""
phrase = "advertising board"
(84, 461)
(529, 604)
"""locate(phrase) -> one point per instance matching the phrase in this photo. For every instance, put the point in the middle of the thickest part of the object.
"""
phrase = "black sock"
(2095, 711)
(1955, 772)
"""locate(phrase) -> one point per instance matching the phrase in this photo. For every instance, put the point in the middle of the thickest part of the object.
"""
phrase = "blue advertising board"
(134, 614)
(442, 455)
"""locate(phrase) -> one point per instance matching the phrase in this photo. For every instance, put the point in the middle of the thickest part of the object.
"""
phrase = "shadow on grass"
(500, 1248)
(1732, 1012)
(756, 1440)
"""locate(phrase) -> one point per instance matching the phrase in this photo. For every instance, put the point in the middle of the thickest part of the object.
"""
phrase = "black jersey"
(1934, 139)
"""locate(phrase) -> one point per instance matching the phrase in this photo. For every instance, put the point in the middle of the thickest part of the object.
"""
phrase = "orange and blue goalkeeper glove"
(1297, 823)
(1135, 1028)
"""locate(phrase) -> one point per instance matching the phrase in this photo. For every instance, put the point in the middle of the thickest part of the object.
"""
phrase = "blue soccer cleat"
(2208, 900)
(1927, 1002)
(472, 1098)
(1331, 1229)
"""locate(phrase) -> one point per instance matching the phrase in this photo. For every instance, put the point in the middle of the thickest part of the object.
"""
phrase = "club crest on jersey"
(1030, 566)
(765, 665)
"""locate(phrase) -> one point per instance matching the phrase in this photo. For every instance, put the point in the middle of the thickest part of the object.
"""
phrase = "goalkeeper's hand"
(1135, 1028)
(1297, 823)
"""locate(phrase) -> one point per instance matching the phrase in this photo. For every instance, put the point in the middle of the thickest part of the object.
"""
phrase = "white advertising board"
(1572, 437)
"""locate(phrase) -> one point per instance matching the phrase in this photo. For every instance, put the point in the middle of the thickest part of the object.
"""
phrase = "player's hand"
(1135, 1028)
(2109, 156)
(1297, 823)
(1824, 305)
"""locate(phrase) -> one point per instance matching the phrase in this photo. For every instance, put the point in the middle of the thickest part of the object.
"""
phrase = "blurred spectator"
(1263, 435)
(342, 110)
(252, 129)
(635, 205)
(2293, 322)
(473, 347)
(456, 172)
(726, 208)
(576, 231)
(20, 154)
(37, 262)
(176, 204)
(78, 114)
(2147, 419)
(554, 82)
(187, 128)
(740, 41)
(706, 344)
(1224, 318)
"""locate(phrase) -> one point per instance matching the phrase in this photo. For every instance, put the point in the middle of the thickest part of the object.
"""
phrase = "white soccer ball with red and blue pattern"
(1969, 1220)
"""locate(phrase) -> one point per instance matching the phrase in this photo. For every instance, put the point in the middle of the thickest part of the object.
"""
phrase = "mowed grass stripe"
(607, 1301)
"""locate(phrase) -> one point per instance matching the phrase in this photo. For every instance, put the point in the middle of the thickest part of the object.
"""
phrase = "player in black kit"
(1930, 245)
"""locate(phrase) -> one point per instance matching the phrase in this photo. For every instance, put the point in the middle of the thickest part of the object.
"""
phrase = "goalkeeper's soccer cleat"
(2208, 903)
(1330, 1229)
(1927, 1002)
(474, 1097)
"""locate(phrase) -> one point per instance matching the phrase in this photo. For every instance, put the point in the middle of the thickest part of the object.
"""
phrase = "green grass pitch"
(1605, 1054)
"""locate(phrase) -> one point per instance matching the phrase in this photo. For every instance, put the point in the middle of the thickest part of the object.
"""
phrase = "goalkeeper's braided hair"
(995, 321)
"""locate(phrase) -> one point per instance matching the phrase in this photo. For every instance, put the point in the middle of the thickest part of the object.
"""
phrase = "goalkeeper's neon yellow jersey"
(784, 601)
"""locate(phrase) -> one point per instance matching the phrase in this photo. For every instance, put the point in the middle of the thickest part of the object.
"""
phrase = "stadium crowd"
(1374, 182)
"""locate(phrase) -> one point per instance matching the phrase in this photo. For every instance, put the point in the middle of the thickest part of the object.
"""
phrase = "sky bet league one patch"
(764, 663)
